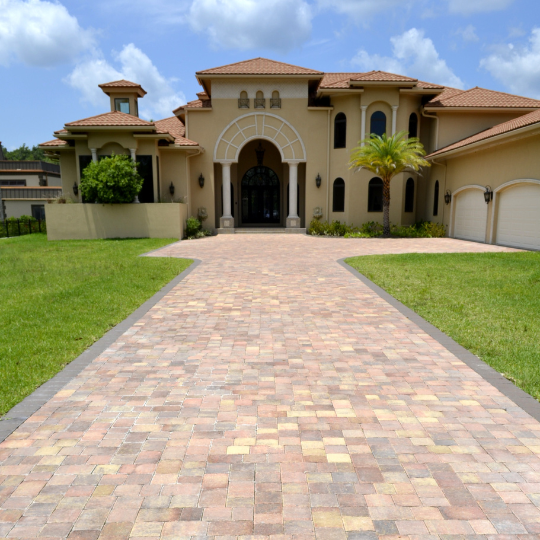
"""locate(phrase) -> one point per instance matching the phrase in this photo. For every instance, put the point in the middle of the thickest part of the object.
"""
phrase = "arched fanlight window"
(338, 195)
(275, 102)
(378, 123)
(436, 199)
(243, 100)
(259, 100)
(375, 195)
(409, 195)
(340, 131)
(413, 125)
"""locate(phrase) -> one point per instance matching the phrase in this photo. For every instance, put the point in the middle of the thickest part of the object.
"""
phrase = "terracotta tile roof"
(481, 97)
(176, 128)
(423, 84)
(55, 142)
(259, 66)
(122, 83)
(195, 104)
(337, 80)
(115, 118)
(505, 127)
(382, 76)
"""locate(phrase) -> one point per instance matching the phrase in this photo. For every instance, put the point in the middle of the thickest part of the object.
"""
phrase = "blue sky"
(53, 54)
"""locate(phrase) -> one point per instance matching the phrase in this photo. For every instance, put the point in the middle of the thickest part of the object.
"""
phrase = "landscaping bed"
(488, 302)
(60, 297)
(373, 229)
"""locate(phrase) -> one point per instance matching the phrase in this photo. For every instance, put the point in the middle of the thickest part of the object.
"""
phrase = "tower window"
(340, 131)
(121, 104)
(378, 123)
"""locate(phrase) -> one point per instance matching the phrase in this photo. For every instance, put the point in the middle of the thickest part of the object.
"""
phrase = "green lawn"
(488, 302)
(57, 298)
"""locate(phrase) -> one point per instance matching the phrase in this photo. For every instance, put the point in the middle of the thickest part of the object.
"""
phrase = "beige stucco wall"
(90, 221)
(493, 166)
(17, 209)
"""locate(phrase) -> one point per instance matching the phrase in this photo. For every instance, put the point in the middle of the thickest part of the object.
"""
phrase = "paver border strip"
(16, 416)
(506, 387)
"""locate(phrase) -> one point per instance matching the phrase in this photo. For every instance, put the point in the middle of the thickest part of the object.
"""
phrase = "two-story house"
(267, 144)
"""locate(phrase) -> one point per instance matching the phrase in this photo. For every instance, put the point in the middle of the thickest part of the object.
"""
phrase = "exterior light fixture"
(447, 196)
(75, 189)
(171, 189)
(201, 180)
(488, 194)
(318, 181)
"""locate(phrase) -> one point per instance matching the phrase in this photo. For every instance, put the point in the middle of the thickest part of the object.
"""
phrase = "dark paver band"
(29, 405)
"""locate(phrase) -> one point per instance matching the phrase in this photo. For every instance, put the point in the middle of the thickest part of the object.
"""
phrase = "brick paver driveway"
(271, 393)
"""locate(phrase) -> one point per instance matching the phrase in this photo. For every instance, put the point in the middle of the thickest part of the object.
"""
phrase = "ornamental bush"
(111, 180)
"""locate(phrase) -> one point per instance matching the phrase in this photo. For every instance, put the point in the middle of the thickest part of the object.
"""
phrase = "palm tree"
(386, 157)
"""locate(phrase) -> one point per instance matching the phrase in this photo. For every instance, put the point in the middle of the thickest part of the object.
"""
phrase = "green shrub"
(323, 228)
(193, 226)
(111, 180)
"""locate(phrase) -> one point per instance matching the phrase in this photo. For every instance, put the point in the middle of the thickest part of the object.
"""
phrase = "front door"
(260, 196)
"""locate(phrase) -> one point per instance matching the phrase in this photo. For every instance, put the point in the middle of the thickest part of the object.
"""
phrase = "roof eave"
(482, 109)
(110, 128)
(203, 77)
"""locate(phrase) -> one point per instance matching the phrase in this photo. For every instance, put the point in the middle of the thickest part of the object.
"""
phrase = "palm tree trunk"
(386, 207)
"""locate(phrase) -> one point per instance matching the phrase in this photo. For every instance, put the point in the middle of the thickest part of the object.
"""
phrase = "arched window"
(413, 125)
(275, 102)
(243, 101)
(338, 196)
(375, 197)
(409, 195)
(378, 123)
(259, 100)
(436, 199)
(340, 131)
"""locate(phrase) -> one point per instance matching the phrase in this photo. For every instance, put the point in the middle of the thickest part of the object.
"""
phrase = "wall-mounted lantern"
(75, 189)
(447, 196)
(488, 194)
(201, 180)
(171, 189)
(318, 181)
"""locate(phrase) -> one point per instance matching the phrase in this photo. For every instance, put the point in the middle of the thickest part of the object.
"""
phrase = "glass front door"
(260, 196)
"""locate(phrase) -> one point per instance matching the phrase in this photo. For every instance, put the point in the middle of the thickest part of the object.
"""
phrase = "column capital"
(395, 107)
(293, 163)
(363, 107)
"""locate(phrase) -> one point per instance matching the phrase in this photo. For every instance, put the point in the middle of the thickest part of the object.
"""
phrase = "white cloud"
(468, 33)
(252, 24)
(413, 55)
(467, 7)
(518, 68)
(39, 33)
(134, 66)
(363, 10)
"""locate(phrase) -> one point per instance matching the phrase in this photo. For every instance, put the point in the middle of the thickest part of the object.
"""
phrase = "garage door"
(470, 220)
(518, 223)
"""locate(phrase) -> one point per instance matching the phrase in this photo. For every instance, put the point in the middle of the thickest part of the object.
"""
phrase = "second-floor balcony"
(275, 103)
(243, 103)
(17, 193)
(260, 103)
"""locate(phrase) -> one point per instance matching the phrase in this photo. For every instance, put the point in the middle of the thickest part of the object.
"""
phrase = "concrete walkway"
(272, 394)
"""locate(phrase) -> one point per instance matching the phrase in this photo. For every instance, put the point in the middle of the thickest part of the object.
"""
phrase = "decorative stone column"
(133, 154)
(293, 221)
(363, 123)
(394, 118)
(94, 154)
(226, 221)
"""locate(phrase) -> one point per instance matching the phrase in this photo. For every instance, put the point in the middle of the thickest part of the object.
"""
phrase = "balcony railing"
(260, 103)
(275, 103)
(243, 103)
(30, 192)
(21, 165)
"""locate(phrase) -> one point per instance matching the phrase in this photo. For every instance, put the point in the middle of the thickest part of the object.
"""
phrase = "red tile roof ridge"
(119, 84)
(260, 62)
(54, 142)
(500, 129)
(115, 118)
(175, 127)
(487, 95)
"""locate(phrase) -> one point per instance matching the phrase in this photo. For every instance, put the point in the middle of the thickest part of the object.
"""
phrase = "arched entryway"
(260, 196)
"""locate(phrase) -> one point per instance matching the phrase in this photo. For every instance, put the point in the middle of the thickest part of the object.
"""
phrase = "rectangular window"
(146, 195)
(38, 211)
(12, 182)
(121, 104)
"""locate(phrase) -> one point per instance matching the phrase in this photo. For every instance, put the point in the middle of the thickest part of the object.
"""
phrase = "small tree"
(112, 180)
(386, 157)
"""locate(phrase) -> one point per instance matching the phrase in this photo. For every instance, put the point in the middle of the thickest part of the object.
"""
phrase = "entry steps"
(261, 230)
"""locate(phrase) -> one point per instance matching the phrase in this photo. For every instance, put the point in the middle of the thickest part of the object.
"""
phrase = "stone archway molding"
(253, 126)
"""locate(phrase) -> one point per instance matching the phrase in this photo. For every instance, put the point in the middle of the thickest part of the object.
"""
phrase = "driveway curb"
(32, 403)
(506, 387)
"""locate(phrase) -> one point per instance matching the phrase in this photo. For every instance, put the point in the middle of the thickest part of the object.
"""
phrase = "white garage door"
(471, 216)
(518, 223)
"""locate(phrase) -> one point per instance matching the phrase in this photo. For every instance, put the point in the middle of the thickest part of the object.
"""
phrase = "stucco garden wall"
(91, 221)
